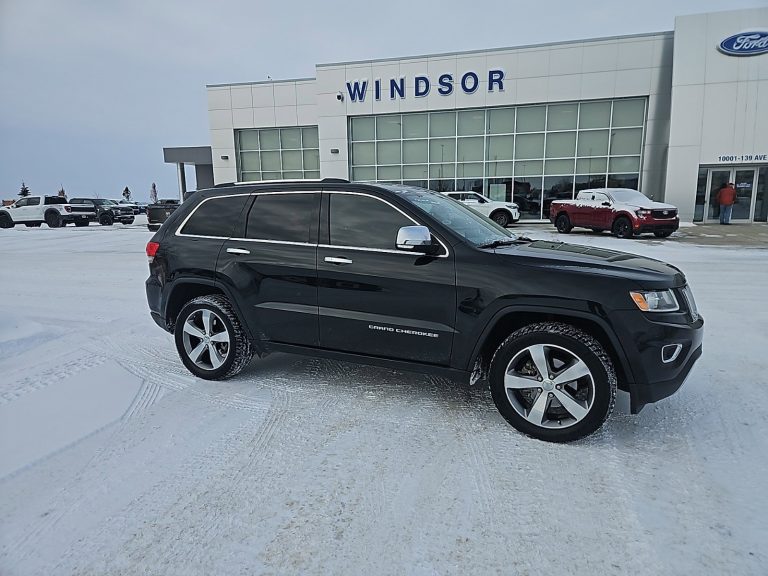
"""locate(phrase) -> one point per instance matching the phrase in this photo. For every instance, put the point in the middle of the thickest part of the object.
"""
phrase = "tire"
(502, 218)
(591, 396)
(6, 221)
(53, 219)
(622, 227)
(129, 221)
(106, 219)
(662, 233)
(232, 358)
(563, 224)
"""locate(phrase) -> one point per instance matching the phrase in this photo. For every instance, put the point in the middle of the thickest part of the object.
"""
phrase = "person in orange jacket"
(726, 197)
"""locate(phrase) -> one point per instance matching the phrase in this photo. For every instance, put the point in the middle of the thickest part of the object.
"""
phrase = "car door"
(270, 264)
(375, 299)
(479, 203)
(601, 215)
(27, 209)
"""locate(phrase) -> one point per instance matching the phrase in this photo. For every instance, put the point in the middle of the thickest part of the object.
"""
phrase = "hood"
(650, 205)
(649, 273)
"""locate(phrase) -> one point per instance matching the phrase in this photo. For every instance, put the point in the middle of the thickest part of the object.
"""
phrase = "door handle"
(238, 251)
(337, 260)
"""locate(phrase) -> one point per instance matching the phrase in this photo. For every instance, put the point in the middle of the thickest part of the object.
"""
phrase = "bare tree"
(62, 193)
(153, 194)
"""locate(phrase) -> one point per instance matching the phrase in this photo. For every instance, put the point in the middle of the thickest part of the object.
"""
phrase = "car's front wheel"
(563, 224)
(6, 221)
(622, 227)
(502, 218)
(106, 219)
(553, 382)
(210, 339)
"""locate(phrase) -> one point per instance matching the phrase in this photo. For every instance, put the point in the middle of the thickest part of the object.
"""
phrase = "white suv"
(35, 210)
(503, 213)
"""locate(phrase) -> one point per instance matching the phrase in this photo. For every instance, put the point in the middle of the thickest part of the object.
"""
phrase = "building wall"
(719, 102)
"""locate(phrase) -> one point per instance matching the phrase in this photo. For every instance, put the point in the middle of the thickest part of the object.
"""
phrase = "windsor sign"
(745, 44)
(393, 88)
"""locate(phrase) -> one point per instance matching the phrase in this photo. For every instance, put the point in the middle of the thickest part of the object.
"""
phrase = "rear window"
(215, 217)
(282, 217)
(55, 200)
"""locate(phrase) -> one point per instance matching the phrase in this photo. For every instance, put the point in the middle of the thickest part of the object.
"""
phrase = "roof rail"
(252, 182)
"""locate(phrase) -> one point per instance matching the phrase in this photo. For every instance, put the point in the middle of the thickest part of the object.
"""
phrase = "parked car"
(106, 212)
(623, 211)
(406, 278)
(503, 213)
(158, 213)
(132, 205)
(33, 211)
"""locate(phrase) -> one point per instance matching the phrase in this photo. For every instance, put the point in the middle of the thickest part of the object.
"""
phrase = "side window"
(282, 217)
(55, 200)
(216, 217)
(33, 201)
(601, 198)
(365, 222)
(21, 203)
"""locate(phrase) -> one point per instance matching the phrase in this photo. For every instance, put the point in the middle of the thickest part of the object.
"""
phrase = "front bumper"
(647, 340)
(650, 224)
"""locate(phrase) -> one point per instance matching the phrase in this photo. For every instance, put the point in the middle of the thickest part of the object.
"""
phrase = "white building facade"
(673, 114)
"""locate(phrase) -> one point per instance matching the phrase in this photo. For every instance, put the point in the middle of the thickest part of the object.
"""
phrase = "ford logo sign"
(745, 44)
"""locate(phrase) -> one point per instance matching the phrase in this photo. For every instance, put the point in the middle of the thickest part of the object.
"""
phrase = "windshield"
(627, 195)
(473, 227)
(102, 202)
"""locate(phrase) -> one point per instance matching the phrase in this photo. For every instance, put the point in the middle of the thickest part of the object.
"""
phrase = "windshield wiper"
(497, 243)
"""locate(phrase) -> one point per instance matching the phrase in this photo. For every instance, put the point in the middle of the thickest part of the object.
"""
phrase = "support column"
(182, 181)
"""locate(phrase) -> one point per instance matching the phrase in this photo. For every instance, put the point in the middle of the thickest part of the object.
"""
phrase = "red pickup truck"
(623, 211)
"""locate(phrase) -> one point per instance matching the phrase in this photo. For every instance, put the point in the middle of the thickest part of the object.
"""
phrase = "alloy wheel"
(206, 339)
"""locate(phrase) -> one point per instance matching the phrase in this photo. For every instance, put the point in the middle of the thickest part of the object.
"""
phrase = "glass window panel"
(500, 147)
(250, 161)
(388, 152)
(501, 121)
(442, 170)
(271, 175)
(529, 146)
(290, 138)
(593, 143)
(359, 174)
(562, 116)
(293, 175)
(291, 160)
(442, 150)
(558, 167)
(416, 172)
(388, 127)
(312, 174)
(588, 182)
(363, 129)
(556, 188)
(470, 149)
(500, 189)
(388, 173)
(309, 138)
(269, 139)
(626, 142)
(472, 122)
(531, 119)
(494, 169)
(761, 195)
(418, 183)
(249, 139)
(363, 153)
(624, 164)
(628, 113)
(527, 195)
(311, 159)
(623, 181)
(442, 124)
(591, 165)
(216, 217)
(470, 185)
(561, 144)
(529, 168)
(701, 191)
(270, 161)
(442, 185)
(415, 126)
(267, 218)
(364, 221)
(595, 115)
(415, 151)
(250, 176)
(469, 170)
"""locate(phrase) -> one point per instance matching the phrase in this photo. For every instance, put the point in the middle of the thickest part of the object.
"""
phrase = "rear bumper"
(75, 217)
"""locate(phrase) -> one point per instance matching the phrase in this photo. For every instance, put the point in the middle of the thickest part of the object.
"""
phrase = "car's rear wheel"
(662, 233)
(622, 227)
(53, 219)
(501, 217)
(563, 224)
(210, 339)
(553, 381)
(106, 220)
(6, 221)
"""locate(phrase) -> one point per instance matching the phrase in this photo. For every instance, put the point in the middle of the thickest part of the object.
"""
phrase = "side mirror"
(414, 239)
(606, 203)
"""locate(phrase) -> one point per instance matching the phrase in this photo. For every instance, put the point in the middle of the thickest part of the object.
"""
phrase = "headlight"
(513, 206)
(655, 300)
(642, 213)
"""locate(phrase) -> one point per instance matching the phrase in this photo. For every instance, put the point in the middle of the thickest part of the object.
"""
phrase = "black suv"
(107, 212)
(408, 278)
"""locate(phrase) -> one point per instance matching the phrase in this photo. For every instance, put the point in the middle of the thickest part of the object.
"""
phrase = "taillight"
(152, 248)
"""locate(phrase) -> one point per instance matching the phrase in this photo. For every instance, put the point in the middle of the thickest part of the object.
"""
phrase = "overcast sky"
(91, 90)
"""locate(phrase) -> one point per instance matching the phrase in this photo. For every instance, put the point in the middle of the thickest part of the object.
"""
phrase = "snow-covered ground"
(114, 460)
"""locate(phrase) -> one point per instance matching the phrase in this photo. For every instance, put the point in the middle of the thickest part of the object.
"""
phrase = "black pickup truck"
(408, 278)
(158, 212)
(105, 212)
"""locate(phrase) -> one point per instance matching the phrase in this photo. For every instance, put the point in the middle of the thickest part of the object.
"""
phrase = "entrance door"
(744, 180)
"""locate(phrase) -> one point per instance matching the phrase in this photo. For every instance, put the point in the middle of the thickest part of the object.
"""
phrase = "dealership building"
(674, 114)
